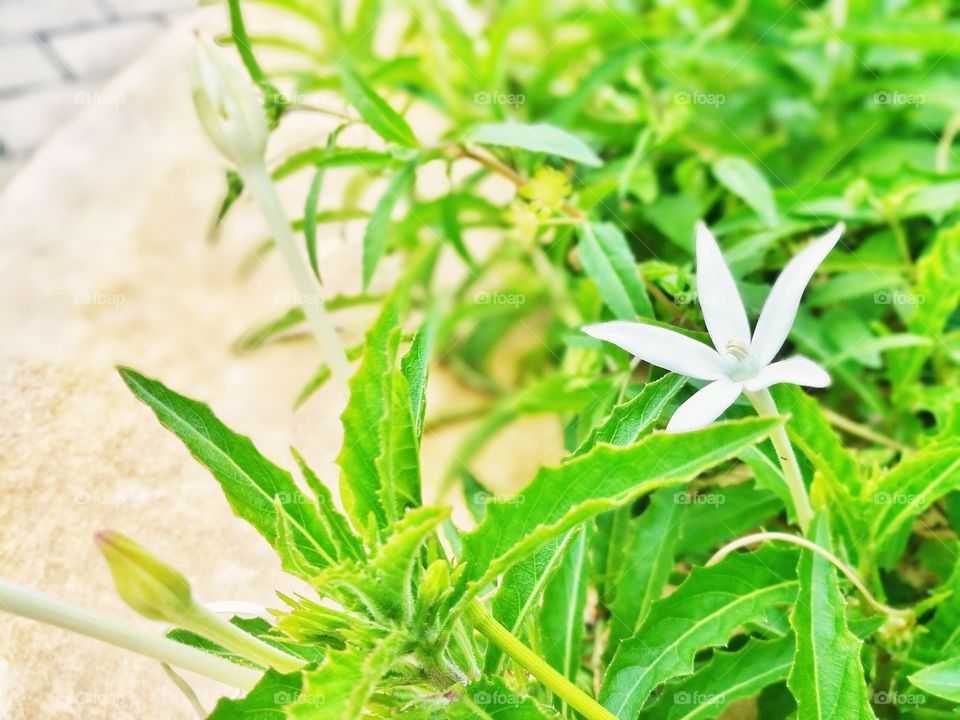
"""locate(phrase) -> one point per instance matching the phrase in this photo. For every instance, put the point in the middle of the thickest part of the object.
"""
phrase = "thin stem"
(813, 547)
(255, 177)
(950, 131)
(208, 624)
(576, 698)
(855, 428)
(763, 402)
(53, 611)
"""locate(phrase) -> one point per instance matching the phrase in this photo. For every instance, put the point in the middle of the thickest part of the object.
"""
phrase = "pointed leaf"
(383, 119)
(727, 677)
(250, 481)
(535, 138)
(827, 678)
(703, 612)
(942, 679)
(375, 236)
(266, 701)
(744, 180)
(607, 258)
(605, 478)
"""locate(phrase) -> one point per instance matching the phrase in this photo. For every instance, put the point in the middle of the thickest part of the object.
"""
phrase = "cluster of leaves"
(620, 128)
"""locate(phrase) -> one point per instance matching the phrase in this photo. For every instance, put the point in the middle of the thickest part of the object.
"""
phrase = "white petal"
(661, 347)
(780, 309)
(798, 370)
(718, 294)
(704, 406)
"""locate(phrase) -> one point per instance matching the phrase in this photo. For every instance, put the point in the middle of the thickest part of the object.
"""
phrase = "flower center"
(736, 348)
(737, 354)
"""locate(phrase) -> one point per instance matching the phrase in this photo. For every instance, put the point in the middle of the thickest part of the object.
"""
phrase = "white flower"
(228, 104)
(739, 363)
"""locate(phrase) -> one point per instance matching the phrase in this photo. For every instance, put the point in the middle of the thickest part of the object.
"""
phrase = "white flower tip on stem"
(227, 103)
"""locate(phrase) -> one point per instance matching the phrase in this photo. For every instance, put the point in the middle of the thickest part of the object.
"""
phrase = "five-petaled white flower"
(739, 363)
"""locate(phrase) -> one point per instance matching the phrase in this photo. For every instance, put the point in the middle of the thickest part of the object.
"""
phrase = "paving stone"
(23, 64)
(28, 118)
(22, 17)
(96, 54)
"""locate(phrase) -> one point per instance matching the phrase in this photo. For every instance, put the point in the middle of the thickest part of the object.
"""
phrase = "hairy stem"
(311, 293)
(53, 611)
(763, 402)
(206, 623)
(486, 624)
(813, 547)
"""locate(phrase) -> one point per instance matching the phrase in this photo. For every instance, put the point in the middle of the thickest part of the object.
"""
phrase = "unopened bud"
(146, 583)
(228, 104)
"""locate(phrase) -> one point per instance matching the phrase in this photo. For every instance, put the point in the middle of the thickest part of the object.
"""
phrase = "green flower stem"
(206, 623)
(53, 611)
(484, 622)
(905, 615)
(763, 402)
(256, 178)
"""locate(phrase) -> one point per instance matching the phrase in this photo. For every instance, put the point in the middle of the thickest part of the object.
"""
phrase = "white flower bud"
(228, 104)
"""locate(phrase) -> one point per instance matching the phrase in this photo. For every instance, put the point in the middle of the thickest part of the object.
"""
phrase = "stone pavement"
(55, 57)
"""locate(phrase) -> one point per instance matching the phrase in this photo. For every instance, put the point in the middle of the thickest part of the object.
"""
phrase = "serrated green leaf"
(727, 677)
(393, 563)
(360, 485)
(348, 544)
(743, 179)
(634, 417)
(942, 632)
(340, 688)
(539, 138)
(703, 612)
(383, 119)
(375, 236)
(399, 461)
(266, 701)
(605, 478)
(607, 258)
(415, 365)
(827, 678)
(905, 492)
(250, 481)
